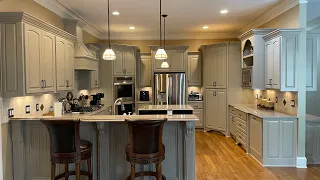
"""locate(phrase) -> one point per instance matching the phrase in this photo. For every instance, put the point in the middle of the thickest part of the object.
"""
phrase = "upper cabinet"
(253, 58)
(94, 75)
(144, 71)
(313, 55)
(281, 55)
(124, 65)
(194, 70)
(215, 65)
(177, 59)
(31, 54)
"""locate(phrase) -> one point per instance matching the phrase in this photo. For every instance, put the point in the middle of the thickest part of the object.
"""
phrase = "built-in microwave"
(124, 88)
(247, 77)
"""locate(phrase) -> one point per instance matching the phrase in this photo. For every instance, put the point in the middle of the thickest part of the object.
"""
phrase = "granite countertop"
(252, 109)
(165, 107)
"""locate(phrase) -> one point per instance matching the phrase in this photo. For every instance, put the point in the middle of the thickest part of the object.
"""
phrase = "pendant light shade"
(164, 64)
(161, 53)
(109, 54)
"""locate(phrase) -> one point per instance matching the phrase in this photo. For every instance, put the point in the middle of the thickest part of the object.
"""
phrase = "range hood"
(83, 58)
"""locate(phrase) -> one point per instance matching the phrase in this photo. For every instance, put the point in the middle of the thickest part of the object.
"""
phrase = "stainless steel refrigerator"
(170, 88)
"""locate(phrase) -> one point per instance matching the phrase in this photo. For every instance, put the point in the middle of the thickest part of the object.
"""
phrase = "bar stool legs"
(66, 171)
(53, 171)
(89, 168)
(159, 171)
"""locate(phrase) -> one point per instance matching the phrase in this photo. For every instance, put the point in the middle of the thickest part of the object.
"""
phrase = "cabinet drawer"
(256, 118)
(241, 127)
(242, 138)
(196, 105)
(240, 114)
(232, 110)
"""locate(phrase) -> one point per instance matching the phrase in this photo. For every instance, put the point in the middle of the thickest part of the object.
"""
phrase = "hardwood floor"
(218, 158)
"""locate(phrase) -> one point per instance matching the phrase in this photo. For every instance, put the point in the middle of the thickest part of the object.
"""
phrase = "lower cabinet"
(233, 125)
(216, 109)
(313, 143)
(198, 111)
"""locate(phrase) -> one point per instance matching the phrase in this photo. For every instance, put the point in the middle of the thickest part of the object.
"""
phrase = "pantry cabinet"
(30, 55)
(281, 55)
(216, 109)
(144, 71)
(194, 70)
(215, 66)
(177, 59)
(65, 64)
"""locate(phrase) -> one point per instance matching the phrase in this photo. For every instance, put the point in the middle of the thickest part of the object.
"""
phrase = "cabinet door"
(129, 63)
(194, 70)
(144, 71)
(157, 63)
(70, 65)
(269, 63)
(33, 59)
(317, 142)
(210, 109)
(176, 60)
(118, 64)
(60, 63)
(289, 62)
(310, 139)
(256, 136)
(233, 125)
(221, 109)
(199, 114)
(276, 63)
(220, 69)
(208, 68)
(48, 66)
(311, 82)
(94, 79)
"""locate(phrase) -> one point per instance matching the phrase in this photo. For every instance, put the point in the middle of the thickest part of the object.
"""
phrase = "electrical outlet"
(276, 99)
(27, 109)
(37, 107)
(11, 112)
(293, 103)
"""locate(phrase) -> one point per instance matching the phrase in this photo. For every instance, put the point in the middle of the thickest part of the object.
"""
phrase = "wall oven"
(124, 88)
(247, 77)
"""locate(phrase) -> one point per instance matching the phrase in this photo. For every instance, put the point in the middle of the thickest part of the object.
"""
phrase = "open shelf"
(248, 56)
(247, 59)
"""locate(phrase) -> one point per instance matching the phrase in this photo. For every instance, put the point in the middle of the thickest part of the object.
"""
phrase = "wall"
(88, 38)
(32, 8)
(194, 43)
(289, 19)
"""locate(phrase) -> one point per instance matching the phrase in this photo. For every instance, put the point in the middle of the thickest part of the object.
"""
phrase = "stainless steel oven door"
(247, 77)
(124, 88)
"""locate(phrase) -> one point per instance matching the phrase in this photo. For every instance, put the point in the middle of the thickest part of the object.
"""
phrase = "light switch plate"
(10, 112)
(293, 103)
(37, 107)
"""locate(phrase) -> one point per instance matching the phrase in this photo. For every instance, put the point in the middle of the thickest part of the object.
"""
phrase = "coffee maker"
(96, 99)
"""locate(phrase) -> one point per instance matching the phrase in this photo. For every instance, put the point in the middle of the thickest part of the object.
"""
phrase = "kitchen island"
(109, 136)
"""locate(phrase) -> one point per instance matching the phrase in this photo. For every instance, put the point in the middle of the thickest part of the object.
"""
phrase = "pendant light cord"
(109, 23)
(164, 32)
(160, 25)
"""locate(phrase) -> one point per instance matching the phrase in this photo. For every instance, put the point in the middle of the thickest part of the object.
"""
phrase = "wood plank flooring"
(218, 158)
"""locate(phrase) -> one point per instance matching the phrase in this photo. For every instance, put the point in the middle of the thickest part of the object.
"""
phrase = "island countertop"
(165, 107)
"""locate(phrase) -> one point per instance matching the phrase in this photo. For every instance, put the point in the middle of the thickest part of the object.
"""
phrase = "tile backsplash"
(249, 97)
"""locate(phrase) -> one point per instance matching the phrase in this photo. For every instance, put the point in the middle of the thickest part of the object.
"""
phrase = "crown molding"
(65, 13)
(156, 47)
(273, 12)
(252, 32)
(280, 32)
(14, 17)
(146, 36)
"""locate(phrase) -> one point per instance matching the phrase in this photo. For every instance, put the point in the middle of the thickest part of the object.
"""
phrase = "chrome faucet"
(118, 101)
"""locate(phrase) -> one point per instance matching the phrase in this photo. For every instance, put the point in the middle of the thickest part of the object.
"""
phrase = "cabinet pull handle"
(45, 83)
(96, 83)
(67, 83)
(41, 84)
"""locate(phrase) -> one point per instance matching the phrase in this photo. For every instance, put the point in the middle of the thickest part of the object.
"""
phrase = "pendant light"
(161, 53)
(109, 53)
(164, 64)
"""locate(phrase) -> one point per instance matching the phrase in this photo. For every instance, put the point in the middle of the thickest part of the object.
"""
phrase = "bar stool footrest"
(146, 173)
(73, 173)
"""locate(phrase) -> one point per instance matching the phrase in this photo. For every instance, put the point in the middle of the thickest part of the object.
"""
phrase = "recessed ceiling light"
(205, 27)
(224, 11)
(116, 13)
(132, 27)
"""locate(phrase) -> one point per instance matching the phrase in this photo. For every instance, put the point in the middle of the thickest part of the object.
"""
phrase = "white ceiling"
(185, 16)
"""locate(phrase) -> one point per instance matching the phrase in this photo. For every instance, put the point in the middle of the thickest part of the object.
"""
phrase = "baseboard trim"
(301, 162)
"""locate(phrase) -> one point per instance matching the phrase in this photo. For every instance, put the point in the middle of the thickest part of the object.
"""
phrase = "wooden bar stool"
(146, 146)
(66, 147)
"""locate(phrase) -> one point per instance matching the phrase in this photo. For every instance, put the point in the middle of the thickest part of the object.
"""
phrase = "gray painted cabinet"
(144, 71)
(198, 111)
(313, 142)
(194, 70)
(124, 65)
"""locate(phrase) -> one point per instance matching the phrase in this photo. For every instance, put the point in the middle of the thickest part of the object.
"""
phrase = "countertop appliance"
(144, 95)
(247, 77)
(194, 96)
(170, 88)
(96, 99)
